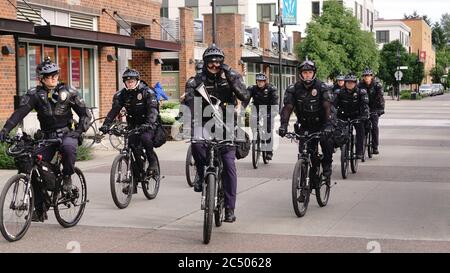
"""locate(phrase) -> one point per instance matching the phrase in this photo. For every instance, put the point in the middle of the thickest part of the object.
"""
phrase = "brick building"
(92, 41)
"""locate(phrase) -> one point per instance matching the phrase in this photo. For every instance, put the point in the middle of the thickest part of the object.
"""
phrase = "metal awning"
(9, 27)
(66, 34)
(269, 61)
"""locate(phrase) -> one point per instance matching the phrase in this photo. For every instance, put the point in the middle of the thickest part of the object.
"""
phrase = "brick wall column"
(187, 69)
(228, 36)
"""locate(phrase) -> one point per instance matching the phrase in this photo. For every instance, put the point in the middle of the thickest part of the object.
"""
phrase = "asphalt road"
(399, 201)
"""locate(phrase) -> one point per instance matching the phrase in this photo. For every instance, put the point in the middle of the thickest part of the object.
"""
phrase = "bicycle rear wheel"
(150, 186)
(190, 168)
(256, 153)
(322, 191)
(15, 217)
(209, 208)
(69, 207)
(218, 213)
(344, 160)
(300, 191)
(117, 141)
(353, 159)
(90, 136)
(121, 183)
(369, 145)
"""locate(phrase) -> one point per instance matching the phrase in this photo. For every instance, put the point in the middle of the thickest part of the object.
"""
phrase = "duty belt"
(58, 133)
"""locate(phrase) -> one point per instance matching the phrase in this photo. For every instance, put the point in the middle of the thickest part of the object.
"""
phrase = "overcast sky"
(394, 9)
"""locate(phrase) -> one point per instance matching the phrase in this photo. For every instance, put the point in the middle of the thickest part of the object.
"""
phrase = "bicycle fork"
(210, 169)
(23, 204)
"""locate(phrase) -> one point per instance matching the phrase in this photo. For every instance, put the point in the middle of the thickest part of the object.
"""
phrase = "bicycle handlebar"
(292, 135)
(32, 143)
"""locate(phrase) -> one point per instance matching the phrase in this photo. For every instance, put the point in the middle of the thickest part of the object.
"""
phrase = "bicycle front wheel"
(69, 206)
(344, 160)
(16, 208)
(209, 207)
(369, 144)
(322, 191)
(150, 186)
(121, 183)
(300, 191)
(190, 168)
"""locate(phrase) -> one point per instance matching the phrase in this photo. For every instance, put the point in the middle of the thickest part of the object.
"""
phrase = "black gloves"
(3, 135)
(74, 134)
(104, 129)
(282, 131)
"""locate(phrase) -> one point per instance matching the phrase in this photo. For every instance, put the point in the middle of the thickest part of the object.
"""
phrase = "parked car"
(426, 90)
(438, 89)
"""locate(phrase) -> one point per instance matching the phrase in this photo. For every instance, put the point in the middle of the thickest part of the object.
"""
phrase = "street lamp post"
(398, 69)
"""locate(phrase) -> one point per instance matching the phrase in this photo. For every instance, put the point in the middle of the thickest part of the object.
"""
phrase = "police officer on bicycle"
(311, 100)
(226, 85)
(352, 103)
(141, 106)
(264, 95)
(376, 103)
(53, 102)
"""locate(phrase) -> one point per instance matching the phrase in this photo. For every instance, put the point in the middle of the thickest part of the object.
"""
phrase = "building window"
(382, 37)
(164, 12)
(368, 18)
(227, 9)
(361, 13)
(76, 67)
(266, 12)
(315, 8)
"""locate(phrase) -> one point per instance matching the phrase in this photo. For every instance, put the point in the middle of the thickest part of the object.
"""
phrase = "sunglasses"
(214, 65)
(54, 76)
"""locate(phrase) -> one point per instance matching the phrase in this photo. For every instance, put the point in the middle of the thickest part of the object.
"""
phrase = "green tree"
(436, 74)
(445, 23)
(336, 43)
(389, 62)
(438, 37)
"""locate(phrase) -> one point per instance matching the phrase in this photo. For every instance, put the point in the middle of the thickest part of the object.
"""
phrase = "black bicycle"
(129, 168)
(368, 140)
(256, 146)
(348, 149)
(17, 197)
(303, 180)
(190, 167)
(213, 196)
(94, 136)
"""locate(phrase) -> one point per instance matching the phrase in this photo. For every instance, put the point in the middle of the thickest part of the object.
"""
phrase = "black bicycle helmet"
(130, 74)
(307, 65)
(340, 77)
(213, 54)
(261, 77)
(367, 72)
(47, 67)
(351, 78)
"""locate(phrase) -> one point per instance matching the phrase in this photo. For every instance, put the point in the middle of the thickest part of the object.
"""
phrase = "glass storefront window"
(23, 79)
(34, 59)
(88, 76)
(50, 51)
(76, 68)
(63, 62)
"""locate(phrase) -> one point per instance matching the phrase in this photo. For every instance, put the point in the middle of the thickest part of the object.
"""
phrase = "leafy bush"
(84, 153)
(6, 162)
(170, 105)
(167, 119)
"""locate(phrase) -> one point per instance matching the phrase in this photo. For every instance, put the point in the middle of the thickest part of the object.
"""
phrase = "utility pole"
(213, 5)
(279, 23)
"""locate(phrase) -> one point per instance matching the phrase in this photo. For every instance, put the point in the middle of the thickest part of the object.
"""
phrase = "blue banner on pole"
(289, 12)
